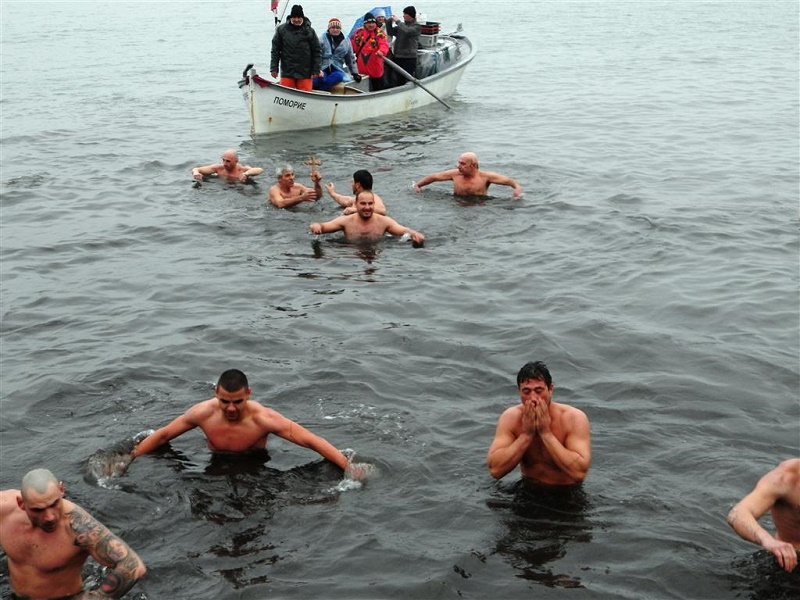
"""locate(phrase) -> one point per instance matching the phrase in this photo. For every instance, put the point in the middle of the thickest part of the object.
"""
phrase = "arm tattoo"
(92, 535)
(117, 582)
(107, 549)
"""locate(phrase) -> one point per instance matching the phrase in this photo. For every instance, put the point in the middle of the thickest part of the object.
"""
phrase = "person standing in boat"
(288, 193)
(370, 45)
(406, 39)
(296, 50)
(380, 20)
(336, 52)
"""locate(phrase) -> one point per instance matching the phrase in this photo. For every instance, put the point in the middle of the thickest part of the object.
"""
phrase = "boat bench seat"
(349, 91)
(340, 89)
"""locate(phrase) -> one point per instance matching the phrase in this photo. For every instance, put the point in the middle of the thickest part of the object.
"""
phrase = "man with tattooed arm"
(47, 540)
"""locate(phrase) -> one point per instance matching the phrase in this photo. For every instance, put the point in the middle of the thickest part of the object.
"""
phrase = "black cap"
(297, 11)
(369, 18)
(410, 11)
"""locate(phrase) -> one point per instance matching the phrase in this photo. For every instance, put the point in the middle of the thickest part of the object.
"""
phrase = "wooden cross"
(314, 162)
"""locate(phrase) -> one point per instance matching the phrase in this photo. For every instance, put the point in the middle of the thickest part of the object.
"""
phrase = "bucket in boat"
(429, 34)
(428, 41)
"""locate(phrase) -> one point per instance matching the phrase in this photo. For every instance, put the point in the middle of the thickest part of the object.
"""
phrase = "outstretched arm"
(743, 518)
(336, 224)
(125, 566)
(198, 172)
(307, 194)
(340, 199)
(395, 228)
(440, 176)
(161, 436)
(248, 171)
(503, 180)
(297, 434)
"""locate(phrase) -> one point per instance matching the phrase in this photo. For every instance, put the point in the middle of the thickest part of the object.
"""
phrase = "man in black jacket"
(296, 49)
(406, 40)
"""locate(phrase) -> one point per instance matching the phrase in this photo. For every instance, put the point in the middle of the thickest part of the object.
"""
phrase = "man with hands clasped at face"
(550, 441)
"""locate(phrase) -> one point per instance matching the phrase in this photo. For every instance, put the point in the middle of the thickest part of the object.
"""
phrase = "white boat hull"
(274, 108)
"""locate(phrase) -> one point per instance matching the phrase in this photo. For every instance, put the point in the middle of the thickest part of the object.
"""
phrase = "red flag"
(274, 5)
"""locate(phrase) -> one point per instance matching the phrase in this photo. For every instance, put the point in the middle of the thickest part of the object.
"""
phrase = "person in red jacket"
(370, 45)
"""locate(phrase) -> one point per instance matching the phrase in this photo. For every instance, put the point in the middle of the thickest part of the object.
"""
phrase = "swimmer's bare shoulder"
(8, 501)
(202, 411)
(266, 418)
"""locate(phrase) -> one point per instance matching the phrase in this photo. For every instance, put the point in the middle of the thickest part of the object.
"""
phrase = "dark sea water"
(652, 263)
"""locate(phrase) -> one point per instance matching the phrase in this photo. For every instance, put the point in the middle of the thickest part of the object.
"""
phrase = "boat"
(441, 61)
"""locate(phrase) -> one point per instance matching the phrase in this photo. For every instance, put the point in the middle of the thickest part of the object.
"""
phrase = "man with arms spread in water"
(228, 169)
(234, 423)
(362, 182)
(47, 540)
(468, 179)
(779, 492)
(287, 193)
(365, 224)
(550, 441)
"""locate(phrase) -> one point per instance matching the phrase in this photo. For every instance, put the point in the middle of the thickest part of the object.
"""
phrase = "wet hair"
(534, 370)
(38, 481)
(233, 380)
(363, 177)
(287, 168)
(365, 192)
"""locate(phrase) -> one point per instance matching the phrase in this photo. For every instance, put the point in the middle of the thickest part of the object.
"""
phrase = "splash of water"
(107, 464)
(355, 475)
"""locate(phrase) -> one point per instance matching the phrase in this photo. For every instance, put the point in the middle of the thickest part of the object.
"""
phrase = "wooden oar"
(410, 77)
